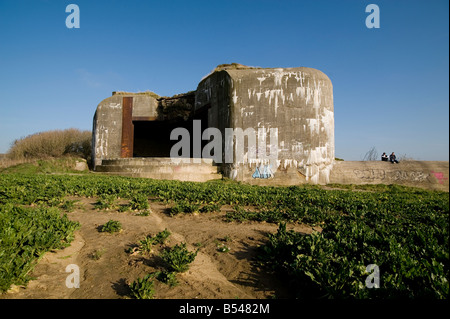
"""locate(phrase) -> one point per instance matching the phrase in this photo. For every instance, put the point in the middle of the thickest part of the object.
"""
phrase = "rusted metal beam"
(127, 127)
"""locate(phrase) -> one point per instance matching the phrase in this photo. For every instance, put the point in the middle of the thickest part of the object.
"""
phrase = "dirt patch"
(106, 267)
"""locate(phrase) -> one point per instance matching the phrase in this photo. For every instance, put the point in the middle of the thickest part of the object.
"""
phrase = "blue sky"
(390, 84)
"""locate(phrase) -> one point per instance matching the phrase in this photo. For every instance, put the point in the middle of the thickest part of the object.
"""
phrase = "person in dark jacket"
(393, 158)
(384, 157)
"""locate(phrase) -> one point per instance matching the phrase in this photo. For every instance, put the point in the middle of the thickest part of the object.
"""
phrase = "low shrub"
(112, 226)
(139, 201)
(178, 257)
(143, 288)
(146, 245)
(106, 201)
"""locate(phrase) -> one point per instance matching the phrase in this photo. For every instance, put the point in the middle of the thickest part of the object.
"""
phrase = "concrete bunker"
(297, 102)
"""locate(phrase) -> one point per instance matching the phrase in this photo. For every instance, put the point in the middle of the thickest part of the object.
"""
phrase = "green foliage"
(167, 277)
(25, 235)
(139, 201)
(178, 257)
(161, 237)
(143, 288)
(184, 207)
(68, 205)
(146, 245)
(333, 263)
(404, 230)
(106, 201)
(222, 248)
(175, 210)
(209, 208)
(111, 226)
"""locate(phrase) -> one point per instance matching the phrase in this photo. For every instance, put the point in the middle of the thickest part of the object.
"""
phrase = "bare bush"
(56, 143)
(371, 155)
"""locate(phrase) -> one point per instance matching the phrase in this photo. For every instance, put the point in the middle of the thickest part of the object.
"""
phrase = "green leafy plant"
(123, 208)
(223, 248)
(106, 201)
(184, 207)
(175, 210)
(139, 201)
(68, 205)
(143, 288)
(178, 258)
(162, 236)
(111, 226)
(146, 245)
(209, 208)
(167, 277)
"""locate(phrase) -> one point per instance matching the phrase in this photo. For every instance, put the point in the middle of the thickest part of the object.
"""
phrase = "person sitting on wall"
(384, 157)
(393, 158)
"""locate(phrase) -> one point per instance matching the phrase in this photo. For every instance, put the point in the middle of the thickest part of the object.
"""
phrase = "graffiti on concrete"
(263, 171)
(415, 176)
(440, 177)
(370, 174)
(398, 175)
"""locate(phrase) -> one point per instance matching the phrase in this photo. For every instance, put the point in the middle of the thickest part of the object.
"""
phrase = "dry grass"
(234, 66)
(50, 144)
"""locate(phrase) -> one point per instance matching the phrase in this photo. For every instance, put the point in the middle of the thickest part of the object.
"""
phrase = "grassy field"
(402, 230)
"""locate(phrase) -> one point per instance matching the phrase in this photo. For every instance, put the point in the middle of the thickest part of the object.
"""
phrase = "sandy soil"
(106, 268)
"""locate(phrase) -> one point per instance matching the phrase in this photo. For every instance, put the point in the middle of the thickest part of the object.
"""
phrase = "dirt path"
(106, 268)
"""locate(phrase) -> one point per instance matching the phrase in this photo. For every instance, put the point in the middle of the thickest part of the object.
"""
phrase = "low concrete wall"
(426, 174)
(431, 175)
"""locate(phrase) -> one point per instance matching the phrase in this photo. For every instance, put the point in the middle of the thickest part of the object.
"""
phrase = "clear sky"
(390, 84)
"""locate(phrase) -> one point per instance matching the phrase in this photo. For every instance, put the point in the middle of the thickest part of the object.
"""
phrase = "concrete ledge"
(139, 161)
(160, 168)
(184, 177)
(167, 169)
(431, 175)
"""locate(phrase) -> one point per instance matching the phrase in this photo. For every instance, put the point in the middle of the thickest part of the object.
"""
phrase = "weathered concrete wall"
(107, 124)
(144, 106)
(213, 96)
(298, 102)
(426, 174)
(107, 130)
